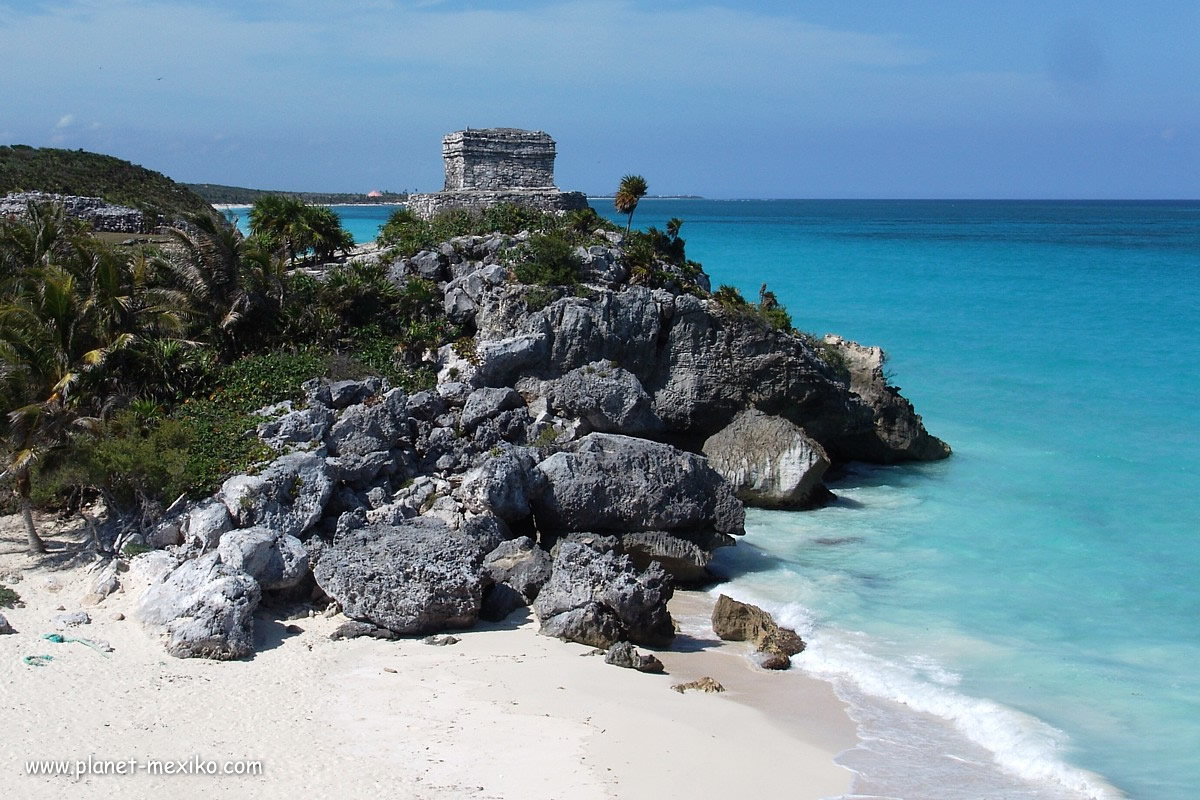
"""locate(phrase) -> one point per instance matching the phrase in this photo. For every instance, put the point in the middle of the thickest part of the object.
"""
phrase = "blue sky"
(840, 98)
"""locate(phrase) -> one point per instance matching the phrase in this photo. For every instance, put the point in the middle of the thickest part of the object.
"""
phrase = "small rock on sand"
(704, 684)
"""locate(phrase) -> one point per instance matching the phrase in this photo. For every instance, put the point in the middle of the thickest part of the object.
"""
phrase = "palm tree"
(631, 190)
(69, 310)
(225, 279)
(280, 221)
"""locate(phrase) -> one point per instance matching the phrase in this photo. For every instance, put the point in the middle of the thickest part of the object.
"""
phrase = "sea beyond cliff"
(1035, 594)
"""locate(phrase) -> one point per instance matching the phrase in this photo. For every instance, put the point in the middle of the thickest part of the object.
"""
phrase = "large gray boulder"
(205, 523)
(288, 496)
(487, 403)
(606, 482)
(276, 561)
(520, 564)
(769, 461)
(611, 399)
(418, 576)
(684, 560)
(296, 427)
(204, 608)
(370, 426)
(600, 599)
(504, 484)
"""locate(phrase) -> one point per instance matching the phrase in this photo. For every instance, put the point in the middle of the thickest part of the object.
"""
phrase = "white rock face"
(769, 461)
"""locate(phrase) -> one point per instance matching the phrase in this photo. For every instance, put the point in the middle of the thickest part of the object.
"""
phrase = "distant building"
(374, 193)
(497, 165)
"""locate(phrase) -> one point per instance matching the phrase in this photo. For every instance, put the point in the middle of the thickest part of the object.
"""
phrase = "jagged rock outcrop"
(769, 461)
(600, 599)
(741, 622)
(684, 560)
(606, 482)
(897, 434)
(504, 484)
(204, 608)
(418, 576)
(611, 399)
(288, 496)
(701, 365)
(275, 560)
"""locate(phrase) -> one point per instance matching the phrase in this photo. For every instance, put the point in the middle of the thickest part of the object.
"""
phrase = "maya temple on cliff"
(492, 166)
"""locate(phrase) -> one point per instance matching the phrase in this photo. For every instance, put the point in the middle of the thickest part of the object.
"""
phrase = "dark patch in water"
(833, 541)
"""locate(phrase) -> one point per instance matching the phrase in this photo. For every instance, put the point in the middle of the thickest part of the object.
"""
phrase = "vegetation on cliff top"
(77, 172)
(237, 195)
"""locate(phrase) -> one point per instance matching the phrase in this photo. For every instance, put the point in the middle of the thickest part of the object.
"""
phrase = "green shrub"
(730, 299)
(8, 598)
(549, 259)
(132, 549)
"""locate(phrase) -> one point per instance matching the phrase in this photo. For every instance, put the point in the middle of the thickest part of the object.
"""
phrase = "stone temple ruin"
(497, 165)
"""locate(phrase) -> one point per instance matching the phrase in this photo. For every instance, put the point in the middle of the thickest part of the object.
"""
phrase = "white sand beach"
(505, 713)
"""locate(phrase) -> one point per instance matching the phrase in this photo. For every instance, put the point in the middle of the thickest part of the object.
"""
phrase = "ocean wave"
(919, 734)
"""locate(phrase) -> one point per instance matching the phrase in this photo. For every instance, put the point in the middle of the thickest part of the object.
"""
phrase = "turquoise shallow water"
(1039, 590)
(1036, 597)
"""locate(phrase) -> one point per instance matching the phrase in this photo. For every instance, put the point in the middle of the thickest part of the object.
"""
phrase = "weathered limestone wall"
(497, 159)
(426, 206)
(102, 215)
(494, 166)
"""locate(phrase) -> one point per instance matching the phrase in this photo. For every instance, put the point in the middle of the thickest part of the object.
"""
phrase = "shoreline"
(504, 713)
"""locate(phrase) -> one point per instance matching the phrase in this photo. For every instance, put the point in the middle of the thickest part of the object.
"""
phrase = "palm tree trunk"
(36, 545)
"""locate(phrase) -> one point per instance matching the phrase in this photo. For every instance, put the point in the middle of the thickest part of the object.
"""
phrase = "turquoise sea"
(1023, 619)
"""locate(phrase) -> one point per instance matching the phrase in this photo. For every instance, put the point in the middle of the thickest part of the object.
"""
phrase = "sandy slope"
(503, 714)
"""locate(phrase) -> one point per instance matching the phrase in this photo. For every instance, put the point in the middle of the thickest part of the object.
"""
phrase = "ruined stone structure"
(497, 165)
(102, 215)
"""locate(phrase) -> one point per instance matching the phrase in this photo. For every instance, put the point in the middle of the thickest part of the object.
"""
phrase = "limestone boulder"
(520, 564)
(600, 599)
(611, 399)
(741, 622)
(623, 654)
(486, 403)
(371, 426)
(769, 461)
(288, 496)
(505, 484)
(205, 523)
(417, 576)
(606, 482)
(276, 561)
(204, 609)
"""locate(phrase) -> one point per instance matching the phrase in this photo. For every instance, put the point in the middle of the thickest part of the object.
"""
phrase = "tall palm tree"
(225, 278)
(71, 308)
(631, 190)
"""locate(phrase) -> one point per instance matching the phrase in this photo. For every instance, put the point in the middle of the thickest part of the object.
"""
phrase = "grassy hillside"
(77, 172)
(215, 193)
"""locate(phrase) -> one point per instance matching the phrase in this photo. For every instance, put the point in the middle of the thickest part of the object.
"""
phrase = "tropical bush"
(548, 259)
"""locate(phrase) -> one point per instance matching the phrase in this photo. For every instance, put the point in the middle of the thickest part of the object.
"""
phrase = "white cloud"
(65, 121)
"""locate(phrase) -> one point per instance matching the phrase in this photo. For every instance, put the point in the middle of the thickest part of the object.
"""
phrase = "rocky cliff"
(582, 455)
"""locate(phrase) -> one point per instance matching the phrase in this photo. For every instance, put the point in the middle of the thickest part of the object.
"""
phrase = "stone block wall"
(495, 159)
(102, 215)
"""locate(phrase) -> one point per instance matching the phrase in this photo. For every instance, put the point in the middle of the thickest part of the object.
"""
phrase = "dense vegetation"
(134, 373)
(77, 172)
(143, 366)
(236, 195)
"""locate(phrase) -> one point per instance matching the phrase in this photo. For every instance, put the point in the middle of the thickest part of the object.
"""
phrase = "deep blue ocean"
(1021, 620)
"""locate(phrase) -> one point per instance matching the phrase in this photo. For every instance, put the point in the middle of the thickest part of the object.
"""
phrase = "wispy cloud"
(65, 121)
